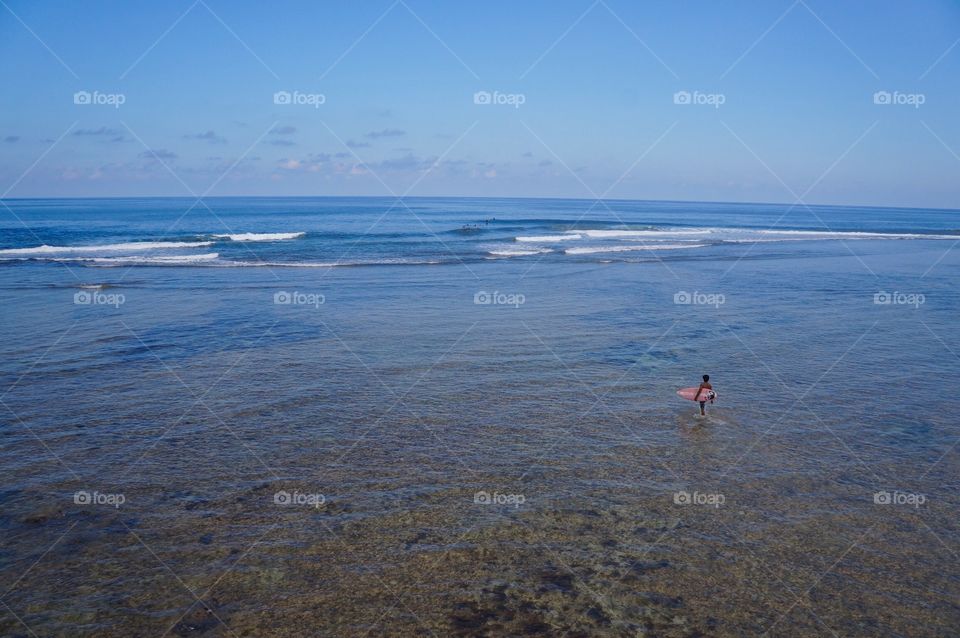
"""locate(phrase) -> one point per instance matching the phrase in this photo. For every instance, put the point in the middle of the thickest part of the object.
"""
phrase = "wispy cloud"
(281, 142)
(206, 136)
(313, 163)
(10, 139)
(158, 154)
(387, 132)
(408, 162)
(103, 130)
(282, 130)
(353, 144)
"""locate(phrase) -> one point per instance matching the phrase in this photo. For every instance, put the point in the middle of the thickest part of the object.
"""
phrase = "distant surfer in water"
(704, 390)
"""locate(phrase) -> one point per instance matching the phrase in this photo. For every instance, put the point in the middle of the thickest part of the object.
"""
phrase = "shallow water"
(514, 467)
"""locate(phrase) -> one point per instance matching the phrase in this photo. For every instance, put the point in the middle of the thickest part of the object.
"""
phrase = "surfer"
(705, 389)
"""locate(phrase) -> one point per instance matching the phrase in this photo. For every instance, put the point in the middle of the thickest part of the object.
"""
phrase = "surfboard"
(690, 393)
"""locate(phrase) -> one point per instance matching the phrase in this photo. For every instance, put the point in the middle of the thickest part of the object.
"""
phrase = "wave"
(549, 238)
(622, 248)
(605, 234)
(213, 260)
(518, 252)
(140, 260)
(851, 234)
(138, 245)
(261, 236)
(745, 235)
(331, 264)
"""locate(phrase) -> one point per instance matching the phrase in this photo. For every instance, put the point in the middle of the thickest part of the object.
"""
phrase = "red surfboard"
(690, 394)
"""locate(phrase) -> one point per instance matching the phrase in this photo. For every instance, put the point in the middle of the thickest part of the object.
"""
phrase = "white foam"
(137, 260)
(318, 264)
(135, 246)
(260, 236)
(550, 238)
(609, 234)
(757, 240)
(519, 252)
(849, 234)
(621, 248)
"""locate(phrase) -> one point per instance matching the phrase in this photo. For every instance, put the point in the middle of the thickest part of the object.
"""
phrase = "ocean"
(454, 416)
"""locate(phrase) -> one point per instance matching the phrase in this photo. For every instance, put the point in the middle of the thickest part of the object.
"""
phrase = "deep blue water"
(393, 355)
(365, 231)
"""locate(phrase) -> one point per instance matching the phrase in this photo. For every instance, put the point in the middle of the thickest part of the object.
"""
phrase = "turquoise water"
(458, 416)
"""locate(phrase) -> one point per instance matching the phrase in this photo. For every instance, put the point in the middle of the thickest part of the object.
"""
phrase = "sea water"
(459, 416)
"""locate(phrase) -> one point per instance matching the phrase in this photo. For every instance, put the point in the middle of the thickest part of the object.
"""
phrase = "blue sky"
(781, 99)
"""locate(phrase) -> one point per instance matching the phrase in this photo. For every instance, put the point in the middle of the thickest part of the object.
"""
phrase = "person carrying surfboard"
(705, 390)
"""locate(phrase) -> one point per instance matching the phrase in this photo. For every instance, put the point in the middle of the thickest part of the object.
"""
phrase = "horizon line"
(531, 197)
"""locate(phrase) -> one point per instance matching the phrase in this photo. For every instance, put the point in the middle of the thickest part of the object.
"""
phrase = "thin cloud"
(313, 163)
(387, 132)
(353, 144)
(207, 136)
(159, 154)
(281, 143)
(409, 162)
(10, 139)
(103, 130)
(282, 130)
